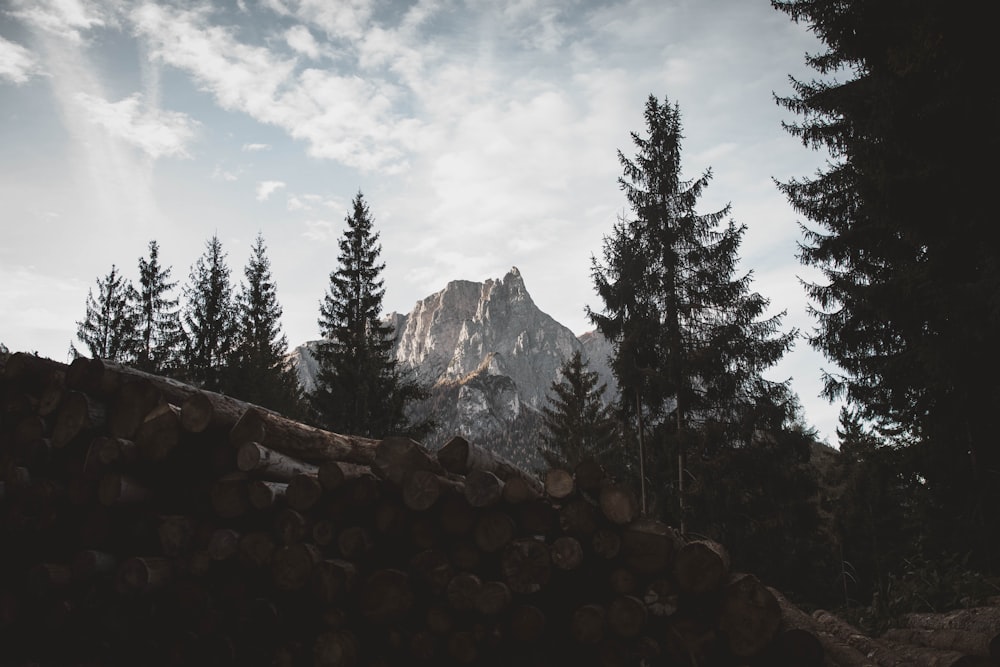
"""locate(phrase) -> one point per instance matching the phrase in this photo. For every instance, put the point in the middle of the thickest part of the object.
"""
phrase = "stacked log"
(145, 522)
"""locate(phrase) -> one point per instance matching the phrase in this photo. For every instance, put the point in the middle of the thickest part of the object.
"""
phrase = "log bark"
(493, 598)
(483, 488)
(875, 650)
(922, 656)
(257, 549)
(397, 457)
(291, 526)
(105, 452)
(566, 553)
(494, 530)
(300, 441)
(559, 484)
(648, 546)
(78, 413)
(265, 463)
(795, 648)
(160, 432)
(91, 563)
(423, 488)
(336, 648)
(333, 580)
(626, 616)
(334, 474)
(203, 410)
(749, 616)
(589, 475)
(116, 488)
(354, 542)
(292, 565)
(578, 517)
(527, 623)
(177, 534)
(303, 491)
(262, 494)
(461, 457)
(985, 620)
(229, 496)
(965, 641)
(701, 567)
(386, 596)
(132, 402)
(526, 565)
(619, 503)
(463, 590)
(144, 575)
(587, 624)
(606, 543)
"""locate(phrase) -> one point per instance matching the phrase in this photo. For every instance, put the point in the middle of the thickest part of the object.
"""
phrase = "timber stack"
(147, 522)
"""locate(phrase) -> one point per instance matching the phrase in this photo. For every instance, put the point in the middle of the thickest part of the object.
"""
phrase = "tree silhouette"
(360, 389)
(108, 330)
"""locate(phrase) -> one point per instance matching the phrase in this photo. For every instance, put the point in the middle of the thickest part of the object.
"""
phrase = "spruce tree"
(159, 328)
(259, 373)
(907, 306)
(109, 328)
(690, 338)
(209, 319)
(360, 388)
(577, 424)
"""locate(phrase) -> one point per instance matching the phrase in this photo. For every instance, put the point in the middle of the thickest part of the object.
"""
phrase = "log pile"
(145, 522)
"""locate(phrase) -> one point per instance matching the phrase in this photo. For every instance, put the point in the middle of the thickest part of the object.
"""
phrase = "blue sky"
(483, 135)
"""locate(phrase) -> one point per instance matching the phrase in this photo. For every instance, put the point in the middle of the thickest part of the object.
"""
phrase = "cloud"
(319, 230)
(157, 132)
(344, 117)
(253, 148)
(266, 188)
(221, 174)
(345, 19)
(68, 19)
(301, 41)
(17, 64)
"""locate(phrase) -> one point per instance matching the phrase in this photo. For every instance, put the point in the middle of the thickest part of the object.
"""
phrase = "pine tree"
(577, 424)
(108, 329)
(908, 304)
(259, 373)
(209, 319)
(360, 388)
(690, 344)
(159, 328)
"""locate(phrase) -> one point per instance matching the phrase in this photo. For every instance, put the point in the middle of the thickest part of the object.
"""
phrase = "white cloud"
(68, 19)
(301, 41)
(341, 117)
(345, 19)
(266, 188)
(319, 230)
(17, 64)
(221, 174)
(157, 132)
(253, 148)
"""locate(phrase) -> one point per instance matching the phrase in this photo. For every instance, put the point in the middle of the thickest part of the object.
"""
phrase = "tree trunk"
(305, 443)
(874, 649)
(749, 616)
(701, 567)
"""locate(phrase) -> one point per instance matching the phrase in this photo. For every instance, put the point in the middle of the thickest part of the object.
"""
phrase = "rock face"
(490, 357)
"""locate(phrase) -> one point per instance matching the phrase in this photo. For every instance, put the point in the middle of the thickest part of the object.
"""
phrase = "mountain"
(489, 356)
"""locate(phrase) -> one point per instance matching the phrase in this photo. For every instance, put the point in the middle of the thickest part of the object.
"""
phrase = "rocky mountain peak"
(490, 356)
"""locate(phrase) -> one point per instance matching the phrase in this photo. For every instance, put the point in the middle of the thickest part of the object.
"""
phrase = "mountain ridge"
(489, 356)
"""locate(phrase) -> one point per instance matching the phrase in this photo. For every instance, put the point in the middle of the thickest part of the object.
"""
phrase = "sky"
(483, 135)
